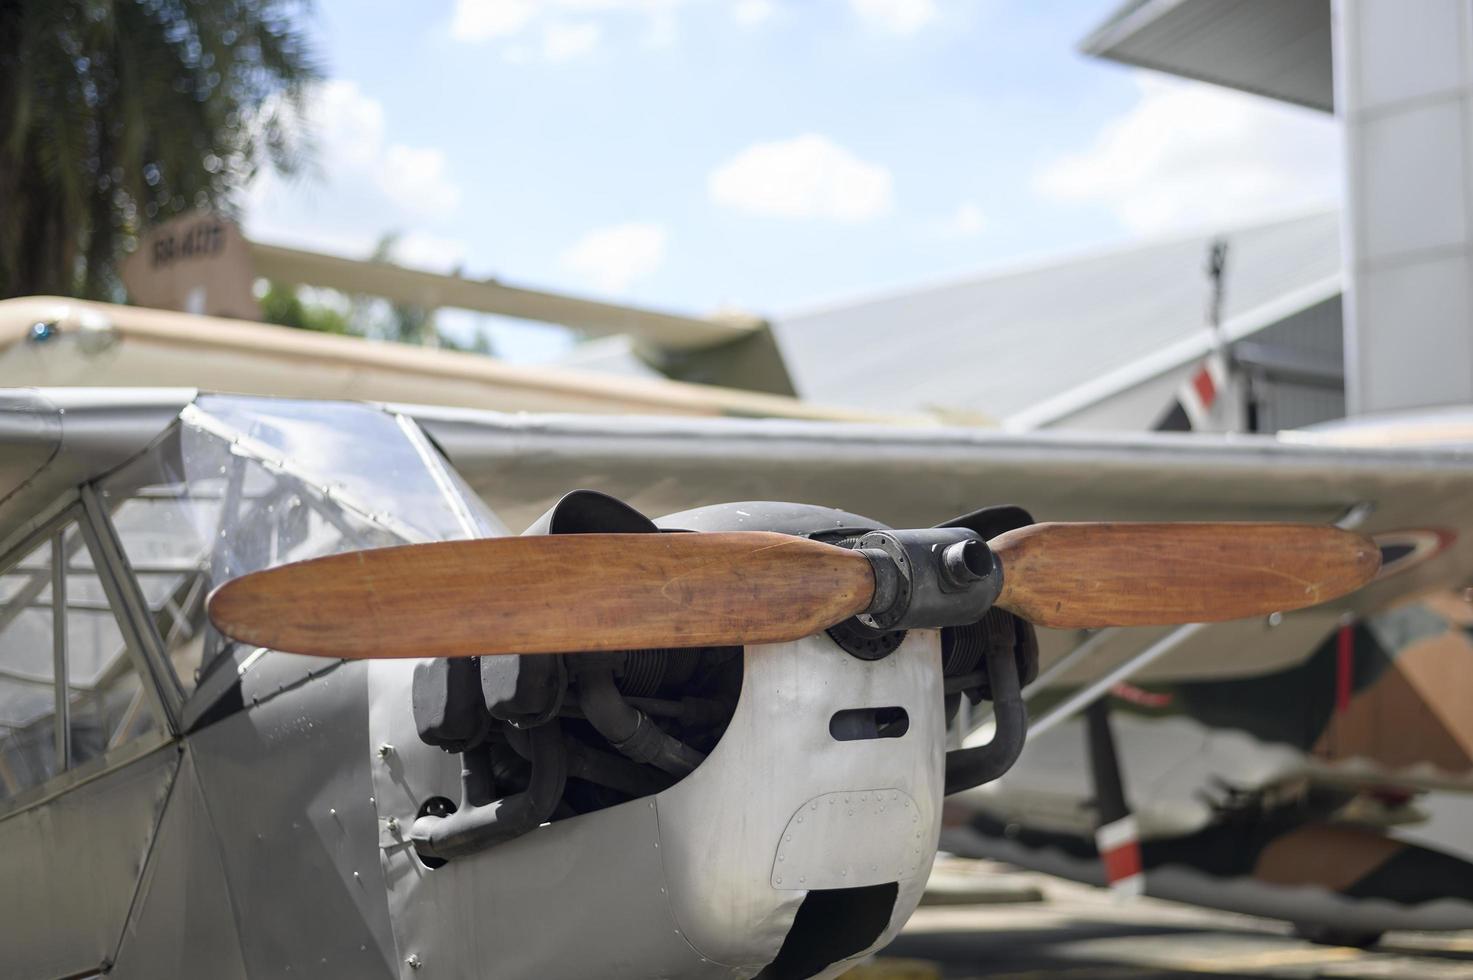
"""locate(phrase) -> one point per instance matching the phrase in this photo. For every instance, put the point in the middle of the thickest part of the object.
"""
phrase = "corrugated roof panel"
(999, 343)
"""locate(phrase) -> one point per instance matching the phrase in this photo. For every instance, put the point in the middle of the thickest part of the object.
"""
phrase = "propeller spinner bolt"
(966, 562)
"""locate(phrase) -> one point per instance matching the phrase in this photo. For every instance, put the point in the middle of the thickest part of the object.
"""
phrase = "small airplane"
(1292, 789)
(708, 744)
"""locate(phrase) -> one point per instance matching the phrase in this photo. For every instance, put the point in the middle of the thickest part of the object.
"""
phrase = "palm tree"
(117, 114)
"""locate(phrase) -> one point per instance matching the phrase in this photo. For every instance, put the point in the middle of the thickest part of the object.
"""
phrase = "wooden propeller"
(577, 592)
(1092, 575)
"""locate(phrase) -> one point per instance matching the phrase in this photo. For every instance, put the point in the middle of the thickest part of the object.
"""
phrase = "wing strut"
(1116, 835)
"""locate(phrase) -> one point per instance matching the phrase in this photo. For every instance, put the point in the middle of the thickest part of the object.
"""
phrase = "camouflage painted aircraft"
(1306, 788)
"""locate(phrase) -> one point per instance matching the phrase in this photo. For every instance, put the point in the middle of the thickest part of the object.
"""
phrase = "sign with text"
(195, 263)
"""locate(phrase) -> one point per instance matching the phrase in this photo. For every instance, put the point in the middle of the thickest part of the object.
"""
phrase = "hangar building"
(1101, 340)
(1324, 315)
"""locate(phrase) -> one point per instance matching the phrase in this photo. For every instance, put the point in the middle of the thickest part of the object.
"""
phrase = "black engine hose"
(472, 828)
(966, 768)
(630, 730)
(600, 768)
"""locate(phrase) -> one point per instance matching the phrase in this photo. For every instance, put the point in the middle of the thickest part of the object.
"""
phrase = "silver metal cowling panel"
(584, 897)
(850, 839)
(675, 885)
(69, 877)
(183, 924)
(287, 786)
(722, 827)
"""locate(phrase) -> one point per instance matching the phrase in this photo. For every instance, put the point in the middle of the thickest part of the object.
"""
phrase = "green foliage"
(116, 114)
(366, 317)
(404, 322)
(282, 305)
(480, 345)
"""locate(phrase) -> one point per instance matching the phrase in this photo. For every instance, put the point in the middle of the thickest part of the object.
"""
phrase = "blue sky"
(770, 155)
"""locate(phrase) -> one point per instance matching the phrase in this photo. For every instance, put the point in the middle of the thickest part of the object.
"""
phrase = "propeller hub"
(929, 577)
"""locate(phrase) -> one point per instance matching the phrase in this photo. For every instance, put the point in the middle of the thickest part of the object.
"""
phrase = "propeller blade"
(548, 594)
(585, 592)
(1096, 575)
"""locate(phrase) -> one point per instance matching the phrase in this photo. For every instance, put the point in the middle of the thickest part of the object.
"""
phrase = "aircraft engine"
(770, 810)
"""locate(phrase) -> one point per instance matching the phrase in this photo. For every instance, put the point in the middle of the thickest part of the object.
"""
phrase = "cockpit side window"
(241, 484)
(69, 690)
(27, 673)
(186, 529)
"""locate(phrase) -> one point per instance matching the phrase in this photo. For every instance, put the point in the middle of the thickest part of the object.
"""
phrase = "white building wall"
(1404, 89)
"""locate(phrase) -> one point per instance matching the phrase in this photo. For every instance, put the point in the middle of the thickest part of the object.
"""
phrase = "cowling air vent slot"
(857, 724)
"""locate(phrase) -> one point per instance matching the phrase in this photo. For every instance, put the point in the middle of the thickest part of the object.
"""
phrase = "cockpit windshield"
(240, 484)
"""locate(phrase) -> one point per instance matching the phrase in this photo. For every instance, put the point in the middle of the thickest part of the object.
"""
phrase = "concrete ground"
(1074, 931)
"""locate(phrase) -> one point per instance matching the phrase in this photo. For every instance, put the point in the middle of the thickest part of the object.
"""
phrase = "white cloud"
(564, 42)
(809, 176)
(1190, 154)
(366, 185)
(899, 17)
(750, 13)
(481, 20)
(476, 21)
(647, 7)
(347, 119)
(966, 221)
(349, 127)
(661, 30)
(415, 178)
(611, 259)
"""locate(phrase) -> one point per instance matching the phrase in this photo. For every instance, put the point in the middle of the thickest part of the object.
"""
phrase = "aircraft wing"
(54, 342)
(920, 476)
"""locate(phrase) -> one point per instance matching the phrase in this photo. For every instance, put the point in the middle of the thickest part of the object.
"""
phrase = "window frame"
(145, 645)
(118, 584)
